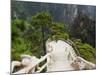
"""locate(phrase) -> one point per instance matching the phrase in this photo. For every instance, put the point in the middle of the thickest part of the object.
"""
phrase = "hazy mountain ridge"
(80, 19)
(61, 11)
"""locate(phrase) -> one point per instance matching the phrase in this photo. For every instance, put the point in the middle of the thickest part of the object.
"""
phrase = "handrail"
(31, 66)
(15, 63)
(87, 62)
(73, 45)
(41, 59)
(42, 67)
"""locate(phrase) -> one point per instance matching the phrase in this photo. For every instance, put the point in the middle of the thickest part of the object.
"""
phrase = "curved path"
(60, 57)
(60, 60)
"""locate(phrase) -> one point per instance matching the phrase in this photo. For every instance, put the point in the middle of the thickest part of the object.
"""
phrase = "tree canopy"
(30, 37)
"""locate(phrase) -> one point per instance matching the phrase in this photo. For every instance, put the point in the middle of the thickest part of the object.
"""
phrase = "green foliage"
(42, 19)
(60, 36)
(30, 38)
(58, 32)
(41, 23)
(19, 44)
(86, 51)
(57, 27)
(20, 24)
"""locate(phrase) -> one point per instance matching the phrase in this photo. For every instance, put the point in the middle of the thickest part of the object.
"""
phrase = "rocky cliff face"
(80, 19)
(61, 12)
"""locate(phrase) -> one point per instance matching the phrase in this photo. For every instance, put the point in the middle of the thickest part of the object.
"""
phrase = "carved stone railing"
(29, 63)
(87, 64)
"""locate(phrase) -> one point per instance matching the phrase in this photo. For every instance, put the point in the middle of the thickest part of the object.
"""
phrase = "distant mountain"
(70, 14)
(61, 12)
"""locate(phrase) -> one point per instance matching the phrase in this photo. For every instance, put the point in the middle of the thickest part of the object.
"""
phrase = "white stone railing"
(29, 63)
(87, 64)
(78, 62)
(15, 63)
(81, 62)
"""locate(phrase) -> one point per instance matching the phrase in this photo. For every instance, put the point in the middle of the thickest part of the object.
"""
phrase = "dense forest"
(33, 23)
